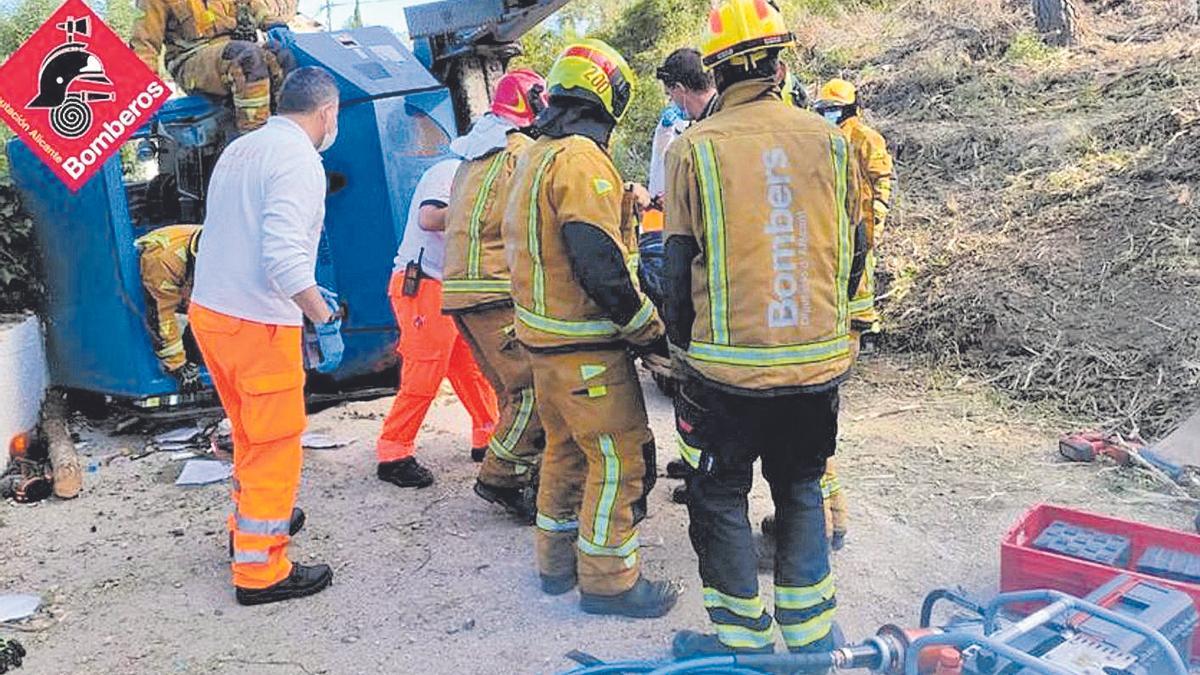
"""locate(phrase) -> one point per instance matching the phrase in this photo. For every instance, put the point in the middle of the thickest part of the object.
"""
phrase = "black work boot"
(558, 585)
(517, 501)
(677, 468)
(304, 580)
(646, 600)
(477, 454)
(679, 494)
(405, 473)
(689, 643)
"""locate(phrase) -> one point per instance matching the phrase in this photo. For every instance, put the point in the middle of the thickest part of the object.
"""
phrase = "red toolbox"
(1023, 567)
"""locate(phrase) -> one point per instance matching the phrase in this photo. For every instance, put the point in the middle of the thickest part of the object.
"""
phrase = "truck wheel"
(1057, 21)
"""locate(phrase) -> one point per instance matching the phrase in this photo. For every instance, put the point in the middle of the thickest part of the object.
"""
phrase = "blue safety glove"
(330, 347)
(672, 115)
(279, 37)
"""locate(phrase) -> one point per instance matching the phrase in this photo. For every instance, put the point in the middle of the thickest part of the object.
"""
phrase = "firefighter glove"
(188, 376)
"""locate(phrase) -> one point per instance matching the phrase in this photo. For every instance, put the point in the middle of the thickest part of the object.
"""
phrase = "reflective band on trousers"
(750, 608)
(625, 550)
(766, 357)
(503, 447)
(688, 453)
(535, 248)
(808, 632)
(804, 597)
(263, 527)
(477, 286)
(714, 239)
(473, 229)
(830, 485)
(740, 637)
(601, 328)
(250, 557)
(845, 235)
(608, 492)
(545, 522)
(862, 305)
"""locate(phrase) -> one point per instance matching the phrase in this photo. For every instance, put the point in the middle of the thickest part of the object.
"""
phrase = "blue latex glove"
(671, 115)
(279, 37)
(330, 347)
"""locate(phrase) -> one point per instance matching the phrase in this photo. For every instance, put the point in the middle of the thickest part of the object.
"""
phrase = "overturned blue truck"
(399, 110)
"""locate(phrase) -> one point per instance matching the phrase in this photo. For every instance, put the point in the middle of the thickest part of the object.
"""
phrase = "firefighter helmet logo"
(70, 80)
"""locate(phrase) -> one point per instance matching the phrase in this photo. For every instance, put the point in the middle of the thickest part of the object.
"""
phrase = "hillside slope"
(1047, 225)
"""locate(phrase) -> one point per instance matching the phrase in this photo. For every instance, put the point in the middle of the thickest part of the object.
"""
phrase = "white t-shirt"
(266, 207)
(433, 188)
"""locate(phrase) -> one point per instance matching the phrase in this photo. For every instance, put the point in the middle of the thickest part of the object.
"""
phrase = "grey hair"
(307, 89)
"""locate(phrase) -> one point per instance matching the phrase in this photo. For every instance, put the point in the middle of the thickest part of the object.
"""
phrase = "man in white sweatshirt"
(255, 286)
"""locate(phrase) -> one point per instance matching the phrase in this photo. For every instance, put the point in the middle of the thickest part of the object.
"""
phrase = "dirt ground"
(135, 572)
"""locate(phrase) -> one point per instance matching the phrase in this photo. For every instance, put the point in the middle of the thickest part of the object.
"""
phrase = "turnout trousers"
(258, 372)
(720, 435)
(597, 469)
(516, 446)
(246, 70)
(431, 350)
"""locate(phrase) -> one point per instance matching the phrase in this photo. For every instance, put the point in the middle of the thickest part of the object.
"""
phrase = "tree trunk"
(1057, 21)
(68, 474)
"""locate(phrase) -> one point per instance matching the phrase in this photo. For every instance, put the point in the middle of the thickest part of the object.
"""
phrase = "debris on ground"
(182, 438)
(204, 472)
(315, 440)
(12, 654)
(26, 480)
(18, 606)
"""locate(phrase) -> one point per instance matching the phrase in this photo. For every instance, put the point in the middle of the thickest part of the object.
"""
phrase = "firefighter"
(431, 348)
(570, 239)
(167, 257)
(211, 47)
(762, 256)
(838, 103)
(476, 286)
(255, 289)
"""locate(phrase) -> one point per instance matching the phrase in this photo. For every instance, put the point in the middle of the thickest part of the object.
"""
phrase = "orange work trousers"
(431, 350)
(258, 371)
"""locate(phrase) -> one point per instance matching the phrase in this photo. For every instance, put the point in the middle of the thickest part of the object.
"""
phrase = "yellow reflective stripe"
(750, 608)
(173, 349)
(632, 263)
(862, 305)
(608, 492)
(640, 319)
(714, 239)
(602, 328)
(251, 101)
(475, 226)
(534, 234)
(688, 453)
(808, 632)
(477, 286)
(629, 548)
(503, 448)
(786, 355)
(742, 637)
(548, 524)
(830, 485)
(845, 235)
(804, 597)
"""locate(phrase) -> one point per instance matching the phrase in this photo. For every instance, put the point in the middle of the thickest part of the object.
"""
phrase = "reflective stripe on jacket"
(770, 194)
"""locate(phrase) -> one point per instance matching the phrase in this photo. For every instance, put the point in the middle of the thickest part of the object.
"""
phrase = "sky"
(388, 13)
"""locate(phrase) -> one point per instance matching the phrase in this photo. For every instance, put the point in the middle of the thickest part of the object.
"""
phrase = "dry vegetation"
(1049, 205)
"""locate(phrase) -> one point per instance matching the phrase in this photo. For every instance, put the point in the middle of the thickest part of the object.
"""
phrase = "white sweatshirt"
(428, 247)
(266, 206)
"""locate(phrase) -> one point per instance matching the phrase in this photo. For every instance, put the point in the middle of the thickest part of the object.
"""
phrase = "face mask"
(832, 116)
(329, 138)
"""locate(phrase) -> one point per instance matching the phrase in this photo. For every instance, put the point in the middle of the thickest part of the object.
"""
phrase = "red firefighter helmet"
(520, 95)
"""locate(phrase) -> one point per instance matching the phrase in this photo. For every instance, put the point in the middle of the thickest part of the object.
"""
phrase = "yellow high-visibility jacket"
(769, 193)
(875, 164)
(475, 272)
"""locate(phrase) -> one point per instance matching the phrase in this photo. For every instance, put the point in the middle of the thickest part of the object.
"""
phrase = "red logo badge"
(74, 92)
